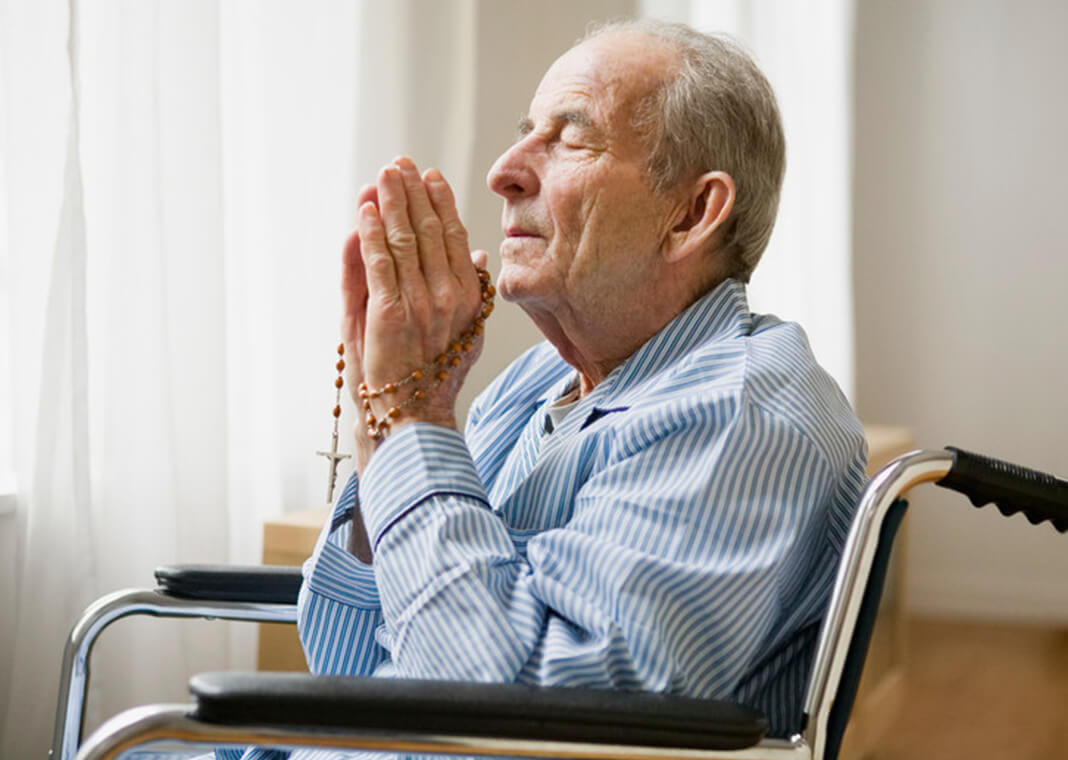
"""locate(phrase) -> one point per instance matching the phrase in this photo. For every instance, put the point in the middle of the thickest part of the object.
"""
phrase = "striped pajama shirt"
(677, 532)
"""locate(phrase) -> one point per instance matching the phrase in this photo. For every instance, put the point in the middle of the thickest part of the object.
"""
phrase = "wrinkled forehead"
(609, 74)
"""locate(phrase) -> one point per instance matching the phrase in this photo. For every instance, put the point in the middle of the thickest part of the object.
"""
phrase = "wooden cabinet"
(289, 540)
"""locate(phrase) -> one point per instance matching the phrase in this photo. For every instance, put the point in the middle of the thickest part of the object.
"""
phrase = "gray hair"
(717, 113)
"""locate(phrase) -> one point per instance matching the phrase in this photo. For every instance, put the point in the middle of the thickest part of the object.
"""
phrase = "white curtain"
(177, 182)
(175, 186)
(806, 51)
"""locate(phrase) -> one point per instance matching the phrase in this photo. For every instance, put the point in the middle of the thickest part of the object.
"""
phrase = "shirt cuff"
(417, 462)
(332, 571)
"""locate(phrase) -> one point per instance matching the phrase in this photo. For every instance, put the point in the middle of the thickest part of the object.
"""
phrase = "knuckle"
(456, 233)
(401, 238)
(430, 227)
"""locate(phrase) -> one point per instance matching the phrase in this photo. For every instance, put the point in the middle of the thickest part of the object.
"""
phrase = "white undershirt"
(560, 408)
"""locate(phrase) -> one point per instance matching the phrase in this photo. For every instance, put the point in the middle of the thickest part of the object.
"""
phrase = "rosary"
(435, 373)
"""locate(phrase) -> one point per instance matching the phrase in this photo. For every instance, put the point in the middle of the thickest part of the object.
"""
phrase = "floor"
(989, 691)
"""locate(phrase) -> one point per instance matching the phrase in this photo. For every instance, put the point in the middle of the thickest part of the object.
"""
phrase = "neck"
(597, 339)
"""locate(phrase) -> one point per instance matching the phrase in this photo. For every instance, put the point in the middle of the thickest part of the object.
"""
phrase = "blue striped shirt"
(678, 532)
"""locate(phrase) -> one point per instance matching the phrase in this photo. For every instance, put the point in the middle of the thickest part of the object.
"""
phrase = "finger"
(378, 261)
(368, 193)
(480, 259)
(398, 234)
(428, 229)
(456, 243)
(353, 279)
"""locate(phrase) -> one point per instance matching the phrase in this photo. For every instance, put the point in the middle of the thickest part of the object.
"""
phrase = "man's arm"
(666, 577)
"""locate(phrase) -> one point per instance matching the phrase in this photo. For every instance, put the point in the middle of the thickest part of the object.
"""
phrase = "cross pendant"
(334, 456)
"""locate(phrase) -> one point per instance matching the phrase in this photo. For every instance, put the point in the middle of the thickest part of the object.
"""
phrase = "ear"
(707, 206)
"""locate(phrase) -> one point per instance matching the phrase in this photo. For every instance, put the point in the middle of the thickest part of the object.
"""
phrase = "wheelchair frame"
(827, 704)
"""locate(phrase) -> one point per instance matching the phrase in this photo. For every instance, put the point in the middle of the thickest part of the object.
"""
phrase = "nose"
(513, 175)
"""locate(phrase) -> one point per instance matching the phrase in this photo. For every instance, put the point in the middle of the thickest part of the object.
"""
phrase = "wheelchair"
(288, 710)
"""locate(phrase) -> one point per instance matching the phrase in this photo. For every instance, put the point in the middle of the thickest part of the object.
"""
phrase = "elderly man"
(654, 498)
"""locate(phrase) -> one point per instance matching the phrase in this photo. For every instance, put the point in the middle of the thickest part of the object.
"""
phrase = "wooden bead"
(487, 310)
(369, 419)
(468, 345)
(483, 275)
(456, 361)
(455, 348)
(340, 349)
(442, 359)
(443, 375)
(337, 411)
(479, 329)
(417, 375)
(418, 394)
(389, 388)
(491, 291)
(393, 412)
(339, 382)
(367, 405)
(340, 364)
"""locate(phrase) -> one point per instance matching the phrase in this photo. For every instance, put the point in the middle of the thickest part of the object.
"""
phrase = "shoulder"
(784, 380)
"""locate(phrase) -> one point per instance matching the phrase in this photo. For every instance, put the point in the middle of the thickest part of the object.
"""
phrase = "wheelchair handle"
(1012, 488)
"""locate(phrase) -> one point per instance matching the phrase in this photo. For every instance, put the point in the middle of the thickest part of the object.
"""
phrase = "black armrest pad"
(231, 583)
(473, 709)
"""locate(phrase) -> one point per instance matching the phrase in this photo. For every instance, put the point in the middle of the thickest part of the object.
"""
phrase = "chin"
(517, 284)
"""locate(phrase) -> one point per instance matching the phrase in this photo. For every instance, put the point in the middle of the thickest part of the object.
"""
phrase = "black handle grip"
(1012, 488)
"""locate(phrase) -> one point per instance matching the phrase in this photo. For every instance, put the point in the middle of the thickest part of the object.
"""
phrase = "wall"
(960, 273)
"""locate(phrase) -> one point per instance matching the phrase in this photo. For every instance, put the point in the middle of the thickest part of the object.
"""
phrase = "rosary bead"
(451, 357)
(340, 349)
(337, 411)
(340, 364)
(339, 382)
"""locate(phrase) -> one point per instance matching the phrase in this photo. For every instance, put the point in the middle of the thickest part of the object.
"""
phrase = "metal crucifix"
(334, 455)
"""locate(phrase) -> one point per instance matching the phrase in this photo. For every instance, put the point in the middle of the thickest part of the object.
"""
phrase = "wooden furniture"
(290, 539)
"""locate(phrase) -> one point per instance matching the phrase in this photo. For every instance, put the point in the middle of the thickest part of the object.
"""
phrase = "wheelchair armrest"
(270, 584)
(464, 709)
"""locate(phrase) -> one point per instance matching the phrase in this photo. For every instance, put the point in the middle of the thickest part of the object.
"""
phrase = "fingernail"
(405, 163)
(433, 175)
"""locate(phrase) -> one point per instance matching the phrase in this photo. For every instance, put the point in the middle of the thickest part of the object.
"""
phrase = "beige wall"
(961, 274)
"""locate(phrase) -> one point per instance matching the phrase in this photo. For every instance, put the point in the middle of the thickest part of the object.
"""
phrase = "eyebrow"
(574, 116)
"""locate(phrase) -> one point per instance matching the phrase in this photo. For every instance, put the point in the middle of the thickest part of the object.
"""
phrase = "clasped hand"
(409, 287)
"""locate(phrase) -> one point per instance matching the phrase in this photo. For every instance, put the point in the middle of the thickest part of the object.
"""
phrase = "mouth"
(519, 232)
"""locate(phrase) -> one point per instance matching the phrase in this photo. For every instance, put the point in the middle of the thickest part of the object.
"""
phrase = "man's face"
(582, 225)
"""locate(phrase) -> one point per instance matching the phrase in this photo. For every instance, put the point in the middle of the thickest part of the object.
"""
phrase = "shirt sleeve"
(669, 575)
(338, 611)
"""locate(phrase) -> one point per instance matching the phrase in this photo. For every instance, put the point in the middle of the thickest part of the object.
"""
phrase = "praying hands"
(414, 301)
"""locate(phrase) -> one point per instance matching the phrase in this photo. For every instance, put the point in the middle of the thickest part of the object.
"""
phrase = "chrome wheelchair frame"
(297, 710)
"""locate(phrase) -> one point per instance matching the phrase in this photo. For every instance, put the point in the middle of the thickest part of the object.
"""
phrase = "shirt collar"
(719, 314)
